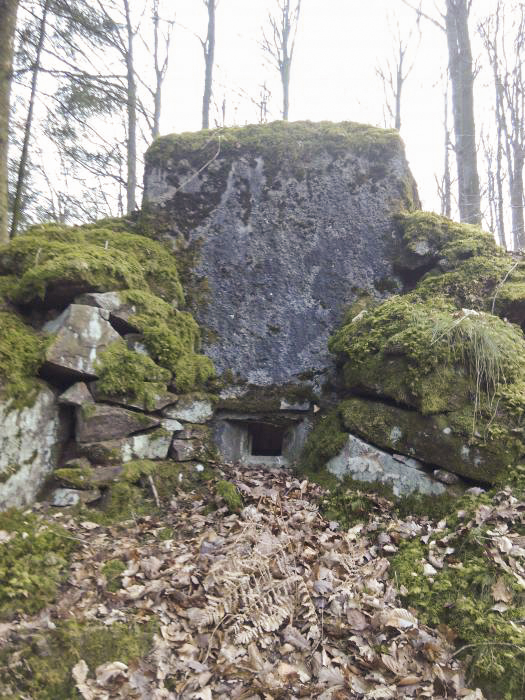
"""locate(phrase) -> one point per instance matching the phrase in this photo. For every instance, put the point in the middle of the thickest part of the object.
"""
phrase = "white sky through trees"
(339, 44)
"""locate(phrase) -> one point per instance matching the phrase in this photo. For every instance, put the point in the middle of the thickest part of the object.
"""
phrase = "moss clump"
(88, 268)
(230, 495)
(429, 238)
(125, 373)
(77, 478)
(428, 355)
(288, 143)
(132, 495)
(41, 668)
(33, 562)
(21, 354)
(460, 597)
(112, 570)
(90, 258)
(325, 441)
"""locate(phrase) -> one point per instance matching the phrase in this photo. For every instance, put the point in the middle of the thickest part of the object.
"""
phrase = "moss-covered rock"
(21, 354)
(41, 667)
(458, 441)
(429, 356)
(130, 375)
(326, 439)
(56, 263)
(34, 560)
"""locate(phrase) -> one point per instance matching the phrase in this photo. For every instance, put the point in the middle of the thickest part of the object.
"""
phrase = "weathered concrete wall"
(290, 223)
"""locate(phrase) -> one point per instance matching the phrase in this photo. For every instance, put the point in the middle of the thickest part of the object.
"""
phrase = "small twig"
(487, 644)
(154, 490)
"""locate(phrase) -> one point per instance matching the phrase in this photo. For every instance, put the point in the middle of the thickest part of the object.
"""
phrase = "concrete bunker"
(272, 440)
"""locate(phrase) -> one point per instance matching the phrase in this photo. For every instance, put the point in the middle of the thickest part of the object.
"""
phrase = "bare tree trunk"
(447, 180)
(516, 200)
(22, 165)
(280, 47)
(462, 79)
(8, 10)
(131, 185)
(155, 131)
(208, 47)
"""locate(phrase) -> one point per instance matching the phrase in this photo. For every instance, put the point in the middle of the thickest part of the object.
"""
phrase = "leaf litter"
(272, 602)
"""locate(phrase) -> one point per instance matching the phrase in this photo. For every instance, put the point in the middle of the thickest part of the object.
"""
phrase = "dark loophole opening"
(267, 440)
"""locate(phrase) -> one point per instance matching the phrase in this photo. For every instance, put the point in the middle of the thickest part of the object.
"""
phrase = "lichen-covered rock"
(99, 422)
(286, 223)
(444, 440)
(362, 462)
(191, 410)
(120, 310)
(152, 445)
(184, 450)
(30, 440)
(76, 395)
(79, 335)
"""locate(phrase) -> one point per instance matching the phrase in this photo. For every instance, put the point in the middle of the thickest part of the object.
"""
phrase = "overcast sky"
(339, 45)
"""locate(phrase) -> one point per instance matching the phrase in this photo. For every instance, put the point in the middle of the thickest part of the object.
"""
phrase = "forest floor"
(272, 601)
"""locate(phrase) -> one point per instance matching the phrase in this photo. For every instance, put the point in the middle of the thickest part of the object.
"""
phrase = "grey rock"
(62, 498)
(285, 235)
(152, 445)
(76, 395)
(99, 422)
(81, 333)
(30, 440)
(135, 342)
(161, 399)
(288, 406)
(364, 462)
(184, 450)
(171, 425)
(446, 477)
(120, 311)
(190, 410)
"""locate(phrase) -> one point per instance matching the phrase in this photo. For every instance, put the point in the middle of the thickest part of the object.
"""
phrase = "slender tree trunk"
(209, 57)
(22, 165)
(500, 218)
(286, 60)
(158, 73)
(516, 200)
(8, 10)
(462, 79)
(131, 185)
(447, 184)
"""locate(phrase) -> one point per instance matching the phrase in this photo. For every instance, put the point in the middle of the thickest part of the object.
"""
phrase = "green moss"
(21, 354)
(413, 351)
(460, 597)
(85, 268)
(32, 564)
(41, 667)
(324, 442)
(428, 238)
(230, 495)
(123, 372)
(289, 143)
(99, 258)
(77, 478)
(112, 570)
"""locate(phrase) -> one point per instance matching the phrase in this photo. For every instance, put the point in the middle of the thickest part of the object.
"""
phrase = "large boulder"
(98, 422)
(29, 445)
(80, 334)
(286, 224)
